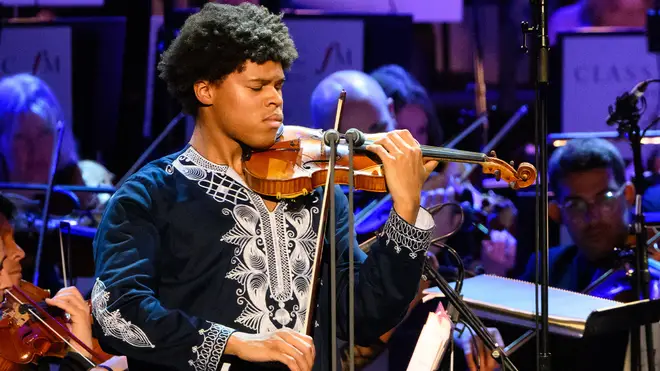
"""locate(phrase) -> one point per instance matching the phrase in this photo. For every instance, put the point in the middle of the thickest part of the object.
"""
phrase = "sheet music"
(513, 301)
(517, 295)
(432, 342)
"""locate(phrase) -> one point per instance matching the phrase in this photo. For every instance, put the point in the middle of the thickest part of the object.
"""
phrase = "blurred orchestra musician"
(368, 109)
(413, 109)
(68, 299)
(29, 115)
(598, 13)
(593, 200)
(651, 198)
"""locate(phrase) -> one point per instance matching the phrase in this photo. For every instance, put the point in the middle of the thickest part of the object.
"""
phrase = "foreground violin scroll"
(298, 163)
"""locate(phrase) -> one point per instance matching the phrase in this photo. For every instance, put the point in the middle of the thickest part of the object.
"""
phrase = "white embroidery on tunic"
(112, 323)
(211, 177)
(404, 235)
(273, 257)
(210, 351)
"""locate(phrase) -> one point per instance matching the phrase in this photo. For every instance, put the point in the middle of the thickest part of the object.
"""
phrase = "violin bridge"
(19, 316)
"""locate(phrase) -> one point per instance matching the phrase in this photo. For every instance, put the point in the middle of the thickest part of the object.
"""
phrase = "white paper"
(432, 343)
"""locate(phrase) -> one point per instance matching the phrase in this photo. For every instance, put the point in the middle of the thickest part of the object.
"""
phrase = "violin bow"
(67, 315)
(64, 275)
(328, 202)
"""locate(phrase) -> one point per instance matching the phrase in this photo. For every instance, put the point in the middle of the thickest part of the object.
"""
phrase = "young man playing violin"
(196, 271)
(68, 299)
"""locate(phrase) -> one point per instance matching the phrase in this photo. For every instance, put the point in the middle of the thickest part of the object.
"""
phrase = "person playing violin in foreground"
(195, 270)
(68, 299)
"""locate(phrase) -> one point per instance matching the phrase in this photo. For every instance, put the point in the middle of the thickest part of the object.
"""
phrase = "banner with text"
(596, 69)
(41, 51)
(325, 46)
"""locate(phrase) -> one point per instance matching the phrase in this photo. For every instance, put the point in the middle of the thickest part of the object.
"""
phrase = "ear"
(629, 193)
(204, 92)
(390, 107)
(554, 211)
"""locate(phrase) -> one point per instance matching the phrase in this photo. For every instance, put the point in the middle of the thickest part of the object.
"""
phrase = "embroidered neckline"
(201, 161)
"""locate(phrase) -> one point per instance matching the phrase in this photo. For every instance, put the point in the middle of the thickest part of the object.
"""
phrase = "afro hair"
(219, 40)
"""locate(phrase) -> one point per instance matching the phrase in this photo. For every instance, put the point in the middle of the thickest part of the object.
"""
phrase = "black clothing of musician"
(72, 361)
(196, 271)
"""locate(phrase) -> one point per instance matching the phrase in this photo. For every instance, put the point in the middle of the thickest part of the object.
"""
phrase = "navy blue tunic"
(186, 254)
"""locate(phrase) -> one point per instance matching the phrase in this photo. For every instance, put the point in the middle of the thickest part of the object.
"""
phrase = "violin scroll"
(522, 177)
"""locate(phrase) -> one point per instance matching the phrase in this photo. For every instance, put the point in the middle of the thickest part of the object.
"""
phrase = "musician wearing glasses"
(592, 199)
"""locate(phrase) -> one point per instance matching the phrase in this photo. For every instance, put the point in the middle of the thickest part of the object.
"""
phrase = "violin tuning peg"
(498, 175)
(492, 154)
(512, 163)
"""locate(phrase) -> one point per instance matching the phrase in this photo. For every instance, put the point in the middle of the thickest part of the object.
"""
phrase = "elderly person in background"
(29, 114)
(413, 108)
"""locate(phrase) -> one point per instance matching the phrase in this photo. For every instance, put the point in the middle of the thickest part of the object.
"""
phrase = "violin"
(30, 330)
(298, 163)
(616, 284)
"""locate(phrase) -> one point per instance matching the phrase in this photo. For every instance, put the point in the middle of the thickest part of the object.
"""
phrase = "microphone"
(627, 102)
(356, 136)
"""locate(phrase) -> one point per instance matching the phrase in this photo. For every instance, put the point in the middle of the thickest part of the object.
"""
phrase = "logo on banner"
(605, 74)
(334, 52)
(44, 63)
(41, 64)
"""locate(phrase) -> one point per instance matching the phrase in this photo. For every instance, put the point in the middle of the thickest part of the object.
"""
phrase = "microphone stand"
(540, 30)
(626, 115)
(55, 159)
(151, 148)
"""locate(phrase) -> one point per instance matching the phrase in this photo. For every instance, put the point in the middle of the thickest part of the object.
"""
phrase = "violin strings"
(7, 292)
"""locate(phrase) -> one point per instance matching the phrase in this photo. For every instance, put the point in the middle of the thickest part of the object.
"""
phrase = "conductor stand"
(626, 115)
(540, 31)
